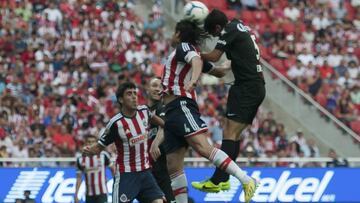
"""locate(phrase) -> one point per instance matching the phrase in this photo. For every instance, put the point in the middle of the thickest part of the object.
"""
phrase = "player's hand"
(76, 200)
(155, 151)
(190, 86)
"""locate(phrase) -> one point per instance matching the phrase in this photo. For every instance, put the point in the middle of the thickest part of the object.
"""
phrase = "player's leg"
(100, 199)
(221, 160)
(149, 189)
(231, 146)
(176, 126)
(175, 165)
(126, 187)
(160, 172)
(242, 105)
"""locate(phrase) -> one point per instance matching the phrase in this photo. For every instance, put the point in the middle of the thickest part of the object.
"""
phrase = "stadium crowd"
(61, 62)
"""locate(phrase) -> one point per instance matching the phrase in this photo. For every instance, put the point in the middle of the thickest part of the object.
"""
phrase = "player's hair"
(123, 87)
(215, 17)
(88, 136)
(190, 32)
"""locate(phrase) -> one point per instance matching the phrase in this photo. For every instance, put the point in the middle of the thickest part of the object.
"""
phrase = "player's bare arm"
(196, 64)
(212, 56)
(156, 120)
(78, 183)
(154, 149)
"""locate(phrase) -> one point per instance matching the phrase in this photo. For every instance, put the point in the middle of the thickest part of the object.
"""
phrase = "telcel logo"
(309, 189)
(62, 190)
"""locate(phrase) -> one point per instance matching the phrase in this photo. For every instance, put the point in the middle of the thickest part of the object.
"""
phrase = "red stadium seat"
(264, 53)
(355, 126)
(220, 4)
(277, 63)
(247, 16)
(321, 99)
(325, 88)
(261, 17)
(290, 61)
(288, 28)
(231, 14)
(265, 2)
(357, 53)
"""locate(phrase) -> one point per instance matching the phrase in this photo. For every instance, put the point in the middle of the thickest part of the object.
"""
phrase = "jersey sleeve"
(107, 136)
(207, 66)
(226, 39)
(185, 52)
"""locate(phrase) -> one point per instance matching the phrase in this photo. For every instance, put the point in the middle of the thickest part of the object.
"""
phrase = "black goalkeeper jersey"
(240, 47)
(159, 110)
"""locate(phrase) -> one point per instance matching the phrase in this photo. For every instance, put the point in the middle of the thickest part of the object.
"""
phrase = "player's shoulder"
(232, 25)
(185, 47)
(236, 25)
(142, 107)
(114, 119)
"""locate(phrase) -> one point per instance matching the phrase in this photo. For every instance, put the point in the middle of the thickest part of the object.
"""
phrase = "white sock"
(179, 187)
(224, 162)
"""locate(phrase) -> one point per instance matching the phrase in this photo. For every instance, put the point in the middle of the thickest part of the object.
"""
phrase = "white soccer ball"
(196, 11)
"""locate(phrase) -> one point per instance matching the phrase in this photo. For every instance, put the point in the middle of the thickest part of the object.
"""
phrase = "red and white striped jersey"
(131, 139)
(178, 71)
(94, 170)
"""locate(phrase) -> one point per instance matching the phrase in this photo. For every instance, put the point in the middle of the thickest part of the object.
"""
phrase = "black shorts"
(182, 120)
(136, 185)
(96, 199)
(160, 172)
(244, 100)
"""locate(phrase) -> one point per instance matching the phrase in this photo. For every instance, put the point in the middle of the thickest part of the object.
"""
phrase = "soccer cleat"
(249, 189)
(210, 187)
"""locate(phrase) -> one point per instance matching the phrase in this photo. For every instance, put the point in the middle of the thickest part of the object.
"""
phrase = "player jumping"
(245, 95)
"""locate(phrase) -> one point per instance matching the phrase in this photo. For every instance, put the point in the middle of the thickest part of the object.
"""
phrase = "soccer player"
(159, 167)
(245, 95)
(129, 131)
(93, 167)
(183, 125)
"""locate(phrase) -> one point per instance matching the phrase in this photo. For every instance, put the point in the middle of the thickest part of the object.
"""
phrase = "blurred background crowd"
(61, 62)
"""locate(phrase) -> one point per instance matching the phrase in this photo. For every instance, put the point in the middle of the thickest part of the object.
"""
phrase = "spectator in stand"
(292, 12)
(296, 72)
(281, 141)
(337, 161)
(306, 57)
(354, 70)
(310, 149)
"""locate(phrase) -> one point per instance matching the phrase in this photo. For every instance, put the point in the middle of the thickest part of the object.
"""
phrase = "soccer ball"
(195, 11)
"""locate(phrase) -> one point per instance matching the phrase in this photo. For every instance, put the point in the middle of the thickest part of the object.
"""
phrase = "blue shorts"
(136, 185)
(182, 120)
